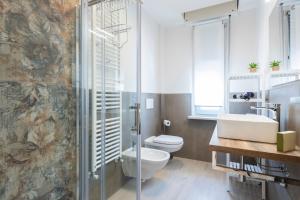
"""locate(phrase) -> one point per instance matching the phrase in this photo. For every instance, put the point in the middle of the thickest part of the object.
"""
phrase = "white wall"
(244, 47)
(128, 56)
(167, 52)
(151, 73)
(264, 12)
(151, 76)
(177, 59)
(295, 39)
(244, 37)
(177, 50)
(275, 38)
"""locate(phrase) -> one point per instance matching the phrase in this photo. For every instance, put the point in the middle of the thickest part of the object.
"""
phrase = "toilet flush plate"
(149, 103)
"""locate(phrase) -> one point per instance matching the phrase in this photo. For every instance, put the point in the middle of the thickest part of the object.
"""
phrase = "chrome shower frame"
(83, 113)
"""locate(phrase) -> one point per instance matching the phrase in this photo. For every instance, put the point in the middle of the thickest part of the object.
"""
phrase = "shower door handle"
(137, 121)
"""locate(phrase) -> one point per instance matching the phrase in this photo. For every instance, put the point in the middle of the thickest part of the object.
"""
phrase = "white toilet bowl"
(152, 161)
(166, 143)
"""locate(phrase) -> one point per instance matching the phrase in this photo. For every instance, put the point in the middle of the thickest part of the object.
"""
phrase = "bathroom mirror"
(284, 39)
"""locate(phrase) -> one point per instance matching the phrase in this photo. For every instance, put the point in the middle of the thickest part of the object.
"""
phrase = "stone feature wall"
(37, 101)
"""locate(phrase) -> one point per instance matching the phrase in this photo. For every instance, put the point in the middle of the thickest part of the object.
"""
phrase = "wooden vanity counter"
(251, 149)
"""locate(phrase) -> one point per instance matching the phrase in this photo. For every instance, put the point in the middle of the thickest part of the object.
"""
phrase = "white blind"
(209, 65)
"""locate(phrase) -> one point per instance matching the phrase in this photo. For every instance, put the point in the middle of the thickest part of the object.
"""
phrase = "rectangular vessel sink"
(247, 127)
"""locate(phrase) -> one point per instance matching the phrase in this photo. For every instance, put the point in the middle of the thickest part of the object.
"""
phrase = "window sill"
(203, 117)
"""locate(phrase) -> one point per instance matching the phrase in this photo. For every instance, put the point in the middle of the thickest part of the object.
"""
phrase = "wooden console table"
(251, 149)
(255, 150)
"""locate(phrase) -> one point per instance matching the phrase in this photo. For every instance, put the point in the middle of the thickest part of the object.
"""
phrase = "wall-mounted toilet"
(152, 160)
(166, 143)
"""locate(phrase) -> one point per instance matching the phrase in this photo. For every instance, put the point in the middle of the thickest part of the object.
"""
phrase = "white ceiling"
(169, 12)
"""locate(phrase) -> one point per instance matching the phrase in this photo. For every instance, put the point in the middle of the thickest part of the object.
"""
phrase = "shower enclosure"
(110, 94)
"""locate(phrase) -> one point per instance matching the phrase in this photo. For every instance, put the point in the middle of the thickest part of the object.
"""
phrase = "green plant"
(275, 63)
(253, 65)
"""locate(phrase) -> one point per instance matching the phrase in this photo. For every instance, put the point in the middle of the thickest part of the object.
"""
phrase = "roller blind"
(209, 67)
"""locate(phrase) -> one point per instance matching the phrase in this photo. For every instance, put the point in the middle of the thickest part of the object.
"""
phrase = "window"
(209, 68)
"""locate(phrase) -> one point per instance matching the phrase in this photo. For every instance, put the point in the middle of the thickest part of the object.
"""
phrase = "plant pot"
(275, 69)
(253, 70)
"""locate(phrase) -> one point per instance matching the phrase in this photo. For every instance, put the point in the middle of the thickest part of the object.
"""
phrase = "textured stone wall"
(37, 100)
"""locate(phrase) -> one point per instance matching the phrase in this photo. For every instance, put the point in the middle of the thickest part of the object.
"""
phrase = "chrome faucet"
(275, 108)
(133, 145)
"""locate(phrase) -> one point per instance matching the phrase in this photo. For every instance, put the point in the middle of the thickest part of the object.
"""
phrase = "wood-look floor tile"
(184, 179)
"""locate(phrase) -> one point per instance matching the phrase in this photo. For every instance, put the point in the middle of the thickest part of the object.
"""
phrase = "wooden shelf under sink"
(252, 149)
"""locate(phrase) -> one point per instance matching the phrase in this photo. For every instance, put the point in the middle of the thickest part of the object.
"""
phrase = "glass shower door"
(111, 64)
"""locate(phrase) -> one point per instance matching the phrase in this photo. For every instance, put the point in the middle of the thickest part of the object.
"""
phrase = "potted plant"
(275, 65)
(253, 67)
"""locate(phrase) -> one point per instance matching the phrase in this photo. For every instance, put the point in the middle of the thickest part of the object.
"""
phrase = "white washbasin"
(247, 127)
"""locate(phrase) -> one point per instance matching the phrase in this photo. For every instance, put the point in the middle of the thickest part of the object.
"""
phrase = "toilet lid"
(168, 139)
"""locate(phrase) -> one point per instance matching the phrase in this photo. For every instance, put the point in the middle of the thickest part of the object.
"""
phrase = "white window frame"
(213, 111)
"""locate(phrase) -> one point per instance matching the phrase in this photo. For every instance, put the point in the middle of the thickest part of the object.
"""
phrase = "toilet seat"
(168, 139)
(166, 143)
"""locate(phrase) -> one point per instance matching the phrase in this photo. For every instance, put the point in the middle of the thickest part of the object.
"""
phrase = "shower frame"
(83, 112)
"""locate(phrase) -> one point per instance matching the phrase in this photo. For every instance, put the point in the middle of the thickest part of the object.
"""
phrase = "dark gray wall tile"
(281, 94)
(151, 125)
(150, 118)
(241, 108)
(196, 133)
(290, 120)
(128, 99)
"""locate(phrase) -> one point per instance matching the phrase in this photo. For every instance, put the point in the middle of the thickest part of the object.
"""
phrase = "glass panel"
(38, 155)
(113, 83)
